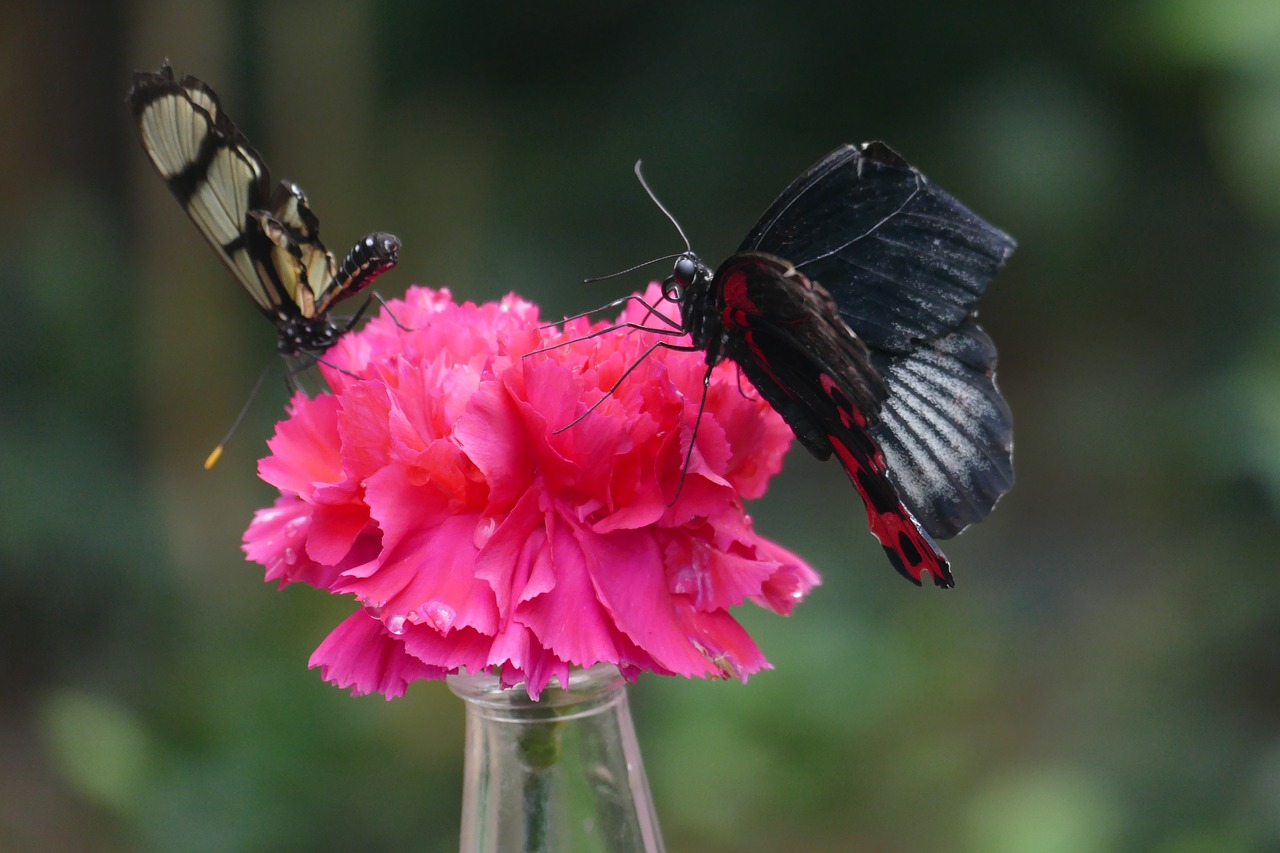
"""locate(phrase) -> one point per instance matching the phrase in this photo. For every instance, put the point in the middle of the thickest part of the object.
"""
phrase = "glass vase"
(559, 774)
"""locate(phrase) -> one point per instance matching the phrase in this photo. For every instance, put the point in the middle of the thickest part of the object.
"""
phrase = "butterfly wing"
(786, 335)
(904, 260)
(269, 240)
(906, 263)
(310, 288)
(325, 282)
(945, 429)
(281, 260)
(214, 173)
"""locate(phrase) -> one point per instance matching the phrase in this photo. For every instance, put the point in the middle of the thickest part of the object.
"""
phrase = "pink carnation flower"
(435, 491)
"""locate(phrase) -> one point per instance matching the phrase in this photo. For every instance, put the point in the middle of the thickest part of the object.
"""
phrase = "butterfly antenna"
(652, 197)
(216, 454)
(630, 269)
(688, 247)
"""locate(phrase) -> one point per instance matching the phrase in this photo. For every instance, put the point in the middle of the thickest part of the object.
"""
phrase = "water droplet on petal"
(684, 581)
(438, 614)
(695, 579)
(294, 528)
(484, 531)
(290, 557)
(395, 624)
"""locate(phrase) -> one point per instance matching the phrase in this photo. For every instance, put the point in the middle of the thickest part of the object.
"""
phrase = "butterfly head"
(689, 276)
(689, 286)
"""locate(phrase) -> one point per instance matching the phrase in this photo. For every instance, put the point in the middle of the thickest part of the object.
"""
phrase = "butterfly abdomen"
(373, 255)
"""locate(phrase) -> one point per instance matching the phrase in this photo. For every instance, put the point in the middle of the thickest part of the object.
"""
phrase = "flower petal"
(498, 496)
(359, 654)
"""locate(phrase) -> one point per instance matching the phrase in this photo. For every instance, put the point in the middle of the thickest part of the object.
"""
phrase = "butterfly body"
(850, 307)
(269, 239)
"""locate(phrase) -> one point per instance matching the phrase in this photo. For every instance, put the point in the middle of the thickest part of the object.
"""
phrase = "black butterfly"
(850, 307)
(268, 239)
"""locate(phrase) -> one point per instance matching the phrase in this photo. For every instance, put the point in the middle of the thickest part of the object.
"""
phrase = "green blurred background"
(1105, 677)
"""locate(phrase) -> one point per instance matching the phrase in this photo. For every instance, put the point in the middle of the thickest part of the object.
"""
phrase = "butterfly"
(850, 307)
(269, 239)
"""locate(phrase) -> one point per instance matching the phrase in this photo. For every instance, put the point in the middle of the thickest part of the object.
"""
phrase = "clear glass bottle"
(560, 774)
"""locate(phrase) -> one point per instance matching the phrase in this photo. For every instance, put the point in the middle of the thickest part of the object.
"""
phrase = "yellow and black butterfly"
(268, 239)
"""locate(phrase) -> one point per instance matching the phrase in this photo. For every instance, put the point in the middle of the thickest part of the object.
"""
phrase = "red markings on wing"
(850, 415)
(739, 311)
(911, 551)
(738, 305)
(909, 548)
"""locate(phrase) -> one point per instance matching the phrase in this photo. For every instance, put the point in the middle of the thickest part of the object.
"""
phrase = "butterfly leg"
(385, 307)
(693, 437)
(614, 304)
(650, 309)
(674, 331)
(311, 359)
(616, 385)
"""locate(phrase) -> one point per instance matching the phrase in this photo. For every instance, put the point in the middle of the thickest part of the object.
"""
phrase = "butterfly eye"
(685, 272)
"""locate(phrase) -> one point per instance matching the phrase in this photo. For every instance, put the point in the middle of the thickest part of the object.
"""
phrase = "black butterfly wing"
(904, 260)
(906, 263)
(785, 334)
(945, 429)
(214, 173)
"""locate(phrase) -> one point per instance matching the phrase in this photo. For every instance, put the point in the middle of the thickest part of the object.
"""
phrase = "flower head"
(438, 486)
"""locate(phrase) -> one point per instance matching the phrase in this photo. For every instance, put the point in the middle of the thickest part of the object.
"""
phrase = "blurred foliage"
(1106, 676)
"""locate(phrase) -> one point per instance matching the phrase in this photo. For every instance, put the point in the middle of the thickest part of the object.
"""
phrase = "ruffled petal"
(304, 450)
(498, 496)
(361, 655)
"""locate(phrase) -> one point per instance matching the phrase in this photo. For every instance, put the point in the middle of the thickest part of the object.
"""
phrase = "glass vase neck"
(562, 773)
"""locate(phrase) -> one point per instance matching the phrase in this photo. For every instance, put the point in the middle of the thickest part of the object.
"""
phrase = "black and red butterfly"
(850, 307)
